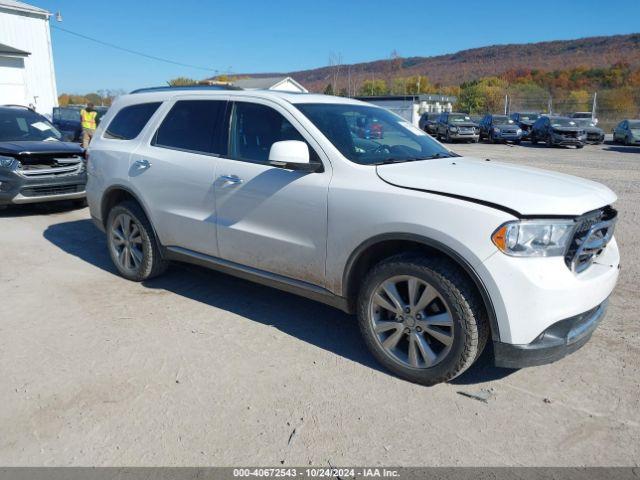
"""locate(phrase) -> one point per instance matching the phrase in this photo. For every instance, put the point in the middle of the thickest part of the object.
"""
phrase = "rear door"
(271, 218)
(174, 169)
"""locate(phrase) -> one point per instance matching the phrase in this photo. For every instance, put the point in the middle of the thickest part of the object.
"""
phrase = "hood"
(15, 149)
(567, 129)
(593, 130)
(520, 190)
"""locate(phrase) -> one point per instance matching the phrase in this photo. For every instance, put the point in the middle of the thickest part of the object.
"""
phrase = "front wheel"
(421, 318)
(132, 244)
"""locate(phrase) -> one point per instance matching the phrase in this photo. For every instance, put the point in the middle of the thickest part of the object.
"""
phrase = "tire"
(517, 142)
(627, 142)
(549, 142)
(447, 137)
(147, 263)
(461, 317)
(533, 139)
(579, 146)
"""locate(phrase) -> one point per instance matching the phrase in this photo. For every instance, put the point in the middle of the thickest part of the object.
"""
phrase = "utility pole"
(593, 107)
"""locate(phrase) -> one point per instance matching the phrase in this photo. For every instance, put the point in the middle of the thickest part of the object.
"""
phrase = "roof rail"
(15, 105)
(185, 87)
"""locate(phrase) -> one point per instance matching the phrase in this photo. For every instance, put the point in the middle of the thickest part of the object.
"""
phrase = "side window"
(129, 122)
(254, 128)
(192, 125)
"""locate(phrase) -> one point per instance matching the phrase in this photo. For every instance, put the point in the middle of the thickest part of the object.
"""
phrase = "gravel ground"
(198, 368)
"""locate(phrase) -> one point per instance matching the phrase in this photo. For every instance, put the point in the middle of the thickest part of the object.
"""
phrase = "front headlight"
(519, 131)
(496, 129)
(453, 129)
(9, 162)
(534, 238)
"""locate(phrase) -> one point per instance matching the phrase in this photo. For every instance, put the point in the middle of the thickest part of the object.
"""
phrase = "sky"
(253, 36)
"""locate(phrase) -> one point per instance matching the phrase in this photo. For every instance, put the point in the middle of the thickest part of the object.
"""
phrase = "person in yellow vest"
(88, 121)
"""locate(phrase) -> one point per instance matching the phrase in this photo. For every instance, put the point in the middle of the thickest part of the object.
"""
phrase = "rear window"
(129, 122)
(191, 125)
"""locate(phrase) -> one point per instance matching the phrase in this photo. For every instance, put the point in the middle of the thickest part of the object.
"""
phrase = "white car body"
(306, 230)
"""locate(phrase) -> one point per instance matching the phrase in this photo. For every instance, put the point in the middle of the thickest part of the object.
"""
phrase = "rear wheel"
(132, 243)
(549, 142)
(421, 318)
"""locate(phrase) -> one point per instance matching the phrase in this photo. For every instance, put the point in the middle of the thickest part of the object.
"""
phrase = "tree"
(328, 89)
(181, 82)
(374, 87)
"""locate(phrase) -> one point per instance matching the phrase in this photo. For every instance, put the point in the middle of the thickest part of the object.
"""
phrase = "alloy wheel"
(126, 242)
(411, 321)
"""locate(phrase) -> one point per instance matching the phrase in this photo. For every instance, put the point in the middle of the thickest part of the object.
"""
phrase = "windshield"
(498, 119)
(584, 122)
(459, 118)
(634, 125)
(529, 117)
(22, 125)
(562, 122)
(371, 136)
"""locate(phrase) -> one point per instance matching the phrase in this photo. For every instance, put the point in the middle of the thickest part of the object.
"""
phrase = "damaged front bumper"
(66, 182)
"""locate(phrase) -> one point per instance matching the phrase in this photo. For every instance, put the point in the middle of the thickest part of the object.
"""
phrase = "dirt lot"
(198, 368)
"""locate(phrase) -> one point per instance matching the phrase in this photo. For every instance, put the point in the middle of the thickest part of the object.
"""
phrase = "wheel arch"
(116, 194)
(379, 247)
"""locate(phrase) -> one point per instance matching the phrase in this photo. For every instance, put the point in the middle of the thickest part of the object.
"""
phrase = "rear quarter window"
(129, 122)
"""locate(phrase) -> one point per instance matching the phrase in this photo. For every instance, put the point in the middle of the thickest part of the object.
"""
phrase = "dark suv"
(35, 165)
(429, 123)
(525, 121)
(67, 121)
(500, 128)
(558, 131)
(457, 126)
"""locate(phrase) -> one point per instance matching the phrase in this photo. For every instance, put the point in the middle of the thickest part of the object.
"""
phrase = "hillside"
(452, 69)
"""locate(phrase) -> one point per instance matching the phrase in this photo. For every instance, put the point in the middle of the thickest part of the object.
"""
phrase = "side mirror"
(291, 154)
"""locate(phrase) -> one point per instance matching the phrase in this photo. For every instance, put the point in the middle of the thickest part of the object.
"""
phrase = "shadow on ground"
(622, 149)
(312, 322)
(30, 209)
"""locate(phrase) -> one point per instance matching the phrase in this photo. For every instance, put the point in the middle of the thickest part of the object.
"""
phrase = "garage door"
(12, 81)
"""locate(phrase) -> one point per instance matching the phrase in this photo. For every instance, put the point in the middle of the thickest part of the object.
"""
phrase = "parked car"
(456, 126)
(436, 253)
(525, 121)
(35, 166)
(429, 123)
(595, 135)
(500, 128)
(627, 132)
(588, 115)
(67, 121)
(476, 119)
(558, 131)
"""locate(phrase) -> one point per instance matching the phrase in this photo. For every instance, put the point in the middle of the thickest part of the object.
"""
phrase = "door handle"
(142, 164)
(230, 180)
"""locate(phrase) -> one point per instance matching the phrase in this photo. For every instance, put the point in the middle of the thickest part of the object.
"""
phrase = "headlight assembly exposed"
(534, 238)
(9, 163)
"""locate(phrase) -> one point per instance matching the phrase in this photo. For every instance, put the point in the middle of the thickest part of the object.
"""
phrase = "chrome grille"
(593, 232)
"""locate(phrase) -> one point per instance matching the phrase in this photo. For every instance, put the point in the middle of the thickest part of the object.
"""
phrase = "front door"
(270, 218)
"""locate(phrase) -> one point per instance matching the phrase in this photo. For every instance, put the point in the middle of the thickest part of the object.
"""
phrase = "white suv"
(435, 252)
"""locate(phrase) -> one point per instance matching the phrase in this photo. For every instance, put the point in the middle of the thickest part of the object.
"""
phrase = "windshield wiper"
(416, 159)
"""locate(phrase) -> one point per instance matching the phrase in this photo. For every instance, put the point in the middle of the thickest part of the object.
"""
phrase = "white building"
(412, 107)
(27, 76)
(286, 84)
